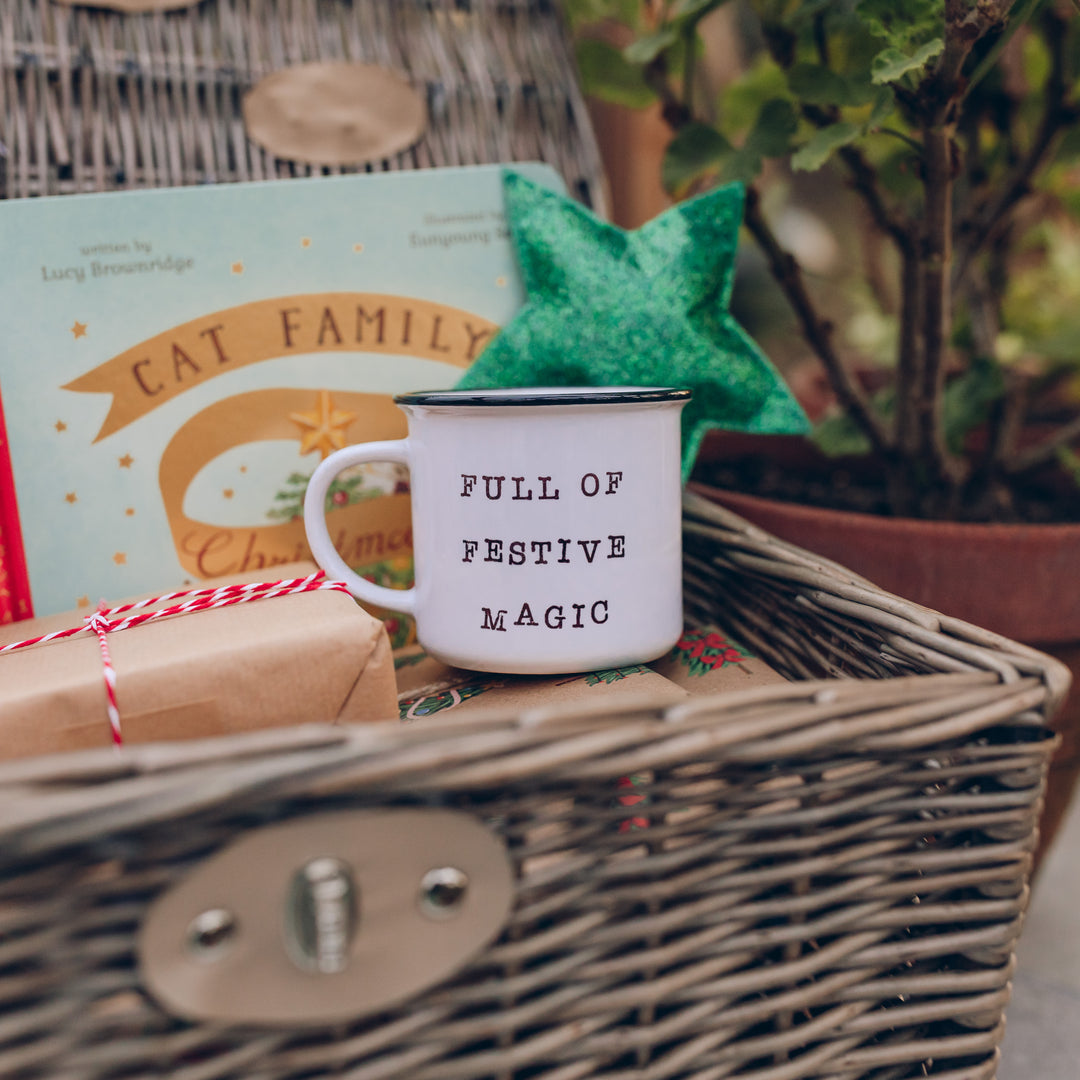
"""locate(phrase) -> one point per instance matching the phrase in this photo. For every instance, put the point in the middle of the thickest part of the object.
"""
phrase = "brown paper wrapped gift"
(311, 657)
(705, 661)
(427, 687)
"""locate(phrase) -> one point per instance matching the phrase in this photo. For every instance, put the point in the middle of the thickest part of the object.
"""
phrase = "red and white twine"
(104, 621)
(99, 623)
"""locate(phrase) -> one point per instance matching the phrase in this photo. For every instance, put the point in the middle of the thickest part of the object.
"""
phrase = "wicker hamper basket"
(93, 100)
(831, 875)
(829, 882)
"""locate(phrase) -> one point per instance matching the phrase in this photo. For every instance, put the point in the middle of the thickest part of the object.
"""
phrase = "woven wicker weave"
(830, 884)
(92, 100)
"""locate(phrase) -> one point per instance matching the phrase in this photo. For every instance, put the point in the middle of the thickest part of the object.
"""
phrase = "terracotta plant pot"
(1022, 581)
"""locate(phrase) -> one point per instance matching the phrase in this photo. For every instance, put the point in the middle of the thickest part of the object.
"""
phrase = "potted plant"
(941, 136)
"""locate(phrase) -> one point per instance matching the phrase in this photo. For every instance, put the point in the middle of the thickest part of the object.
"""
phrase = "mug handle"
(318, 536)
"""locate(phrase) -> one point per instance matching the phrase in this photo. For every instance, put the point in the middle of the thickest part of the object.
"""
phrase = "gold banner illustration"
(365, 532)
(158, 369)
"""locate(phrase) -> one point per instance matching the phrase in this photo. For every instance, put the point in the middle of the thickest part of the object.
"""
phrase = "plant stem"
(1045, 451)
(816, 331)
(910, 354)
(993, 54)
(1007, 423)
(865, 182)
(983, 308)
(1009, 415)
(689, 65)
(676, 115)
(964, 25)
(877, 278)
(821, 40)
(994, 214)
(914, 144)
(788, 275)
(937, 300)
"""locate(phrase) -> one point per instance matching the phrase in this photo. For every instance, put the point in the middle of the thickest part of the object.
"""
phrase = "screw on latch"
(210, 934)
(321, 916)
(442, 892)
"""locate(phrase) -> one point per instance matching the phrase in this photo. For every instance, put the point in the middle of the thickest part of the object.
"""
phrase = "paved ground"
(1042, 1039)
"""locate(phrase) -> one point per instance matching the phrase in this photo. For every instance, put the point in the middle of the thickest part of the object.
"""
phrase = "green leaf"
(1069, 460)
(675, 56)
(968, 399)
(840, 436)
(770, 137)
(904, 24)
(1036, 59)
(804, 11)
(695, 151)
(742, 100)
(823, 144)
(589, 12)
(1069, 146)
(817, 85)
(884, 104)
(773, 129)
(685, 9)
(606, 74)
(891, 64)
(698, 149)
(647, 49)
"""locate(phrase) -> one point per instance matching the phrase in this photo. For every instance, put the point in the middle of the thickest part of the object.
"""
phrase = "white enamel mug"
(547, 528)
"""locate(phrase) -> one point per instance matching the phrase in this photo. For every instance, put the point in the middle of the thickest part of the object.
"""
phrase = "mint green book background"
(437, 235)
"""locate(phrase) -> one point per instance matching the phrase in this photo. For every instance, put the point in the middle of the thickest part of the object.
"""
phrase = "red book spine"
(6, 613)
(14, 581)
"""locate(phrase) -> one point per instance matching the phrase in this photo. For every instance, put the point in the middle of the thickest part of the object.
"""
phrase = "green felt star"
(607, 307)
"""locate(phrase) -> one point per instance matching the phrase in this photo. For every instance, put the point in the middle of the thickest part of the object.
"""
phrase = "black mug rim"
(514, 397)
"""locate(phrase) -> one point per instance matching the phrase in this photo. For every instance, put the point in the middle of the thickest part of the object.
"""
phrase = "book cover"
(176, 362)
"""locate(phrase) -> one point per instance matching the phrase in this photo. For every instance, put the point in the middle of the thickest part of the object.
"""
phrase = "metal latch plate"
(327, 918)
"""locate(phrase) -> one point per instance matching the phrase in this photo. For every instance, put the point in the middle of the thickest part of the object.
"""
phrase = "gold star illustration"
(228, 493)
(237, 267)
(126, 461)
(130, 511)
(71, 497)
(501, 282)
(243, 468)
(358, 248)
(79, 329)
(323, 428)
(60, 425)
(119, 558)
(83, 601)
(305, 241)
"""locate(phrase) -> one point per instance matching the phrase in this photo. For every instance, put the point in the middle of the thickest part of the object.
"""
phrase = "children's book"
(175, 363)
